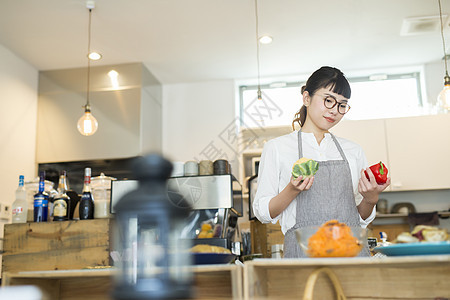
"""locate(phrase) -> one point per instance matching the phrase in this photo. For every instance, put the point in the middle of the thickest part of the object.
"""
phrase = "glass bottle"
(20, 205)
(86, 208)
(61, 204)
(41, 201)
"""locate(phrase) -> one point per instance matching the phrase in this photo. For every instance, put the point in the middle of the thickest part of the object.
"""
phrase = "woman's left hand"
(369, 188)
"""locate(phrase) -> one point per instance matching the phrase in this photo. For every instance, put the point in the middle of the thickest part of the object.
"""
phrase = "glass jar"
(101, 192)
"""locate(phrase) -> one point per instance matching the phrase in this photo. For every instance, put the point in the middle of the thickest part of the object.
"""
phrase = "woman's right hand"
(300, 185)
(279, 203)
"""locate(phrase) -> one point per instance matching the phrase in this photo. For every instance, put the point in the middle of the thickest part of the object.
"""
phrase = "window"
(385, 96)
(277, 108)
(390, 96)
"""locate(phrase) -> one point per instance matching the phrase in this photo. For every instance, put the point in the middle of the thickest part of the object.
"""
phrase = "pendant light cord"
(443, 39)
(257, 49)
(88, 107)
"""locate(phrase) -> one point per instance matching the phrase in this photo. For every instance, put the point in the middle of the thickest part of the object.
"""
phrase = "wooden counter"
(210, 281)
(407, 277)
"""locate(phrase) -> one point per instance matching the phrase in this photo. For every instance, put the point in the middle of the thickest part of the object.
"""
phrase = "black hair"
(325, 77)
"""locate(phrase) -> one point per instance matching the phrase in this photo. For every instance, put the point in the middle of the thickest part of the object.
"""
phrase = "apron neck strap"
(338, 146)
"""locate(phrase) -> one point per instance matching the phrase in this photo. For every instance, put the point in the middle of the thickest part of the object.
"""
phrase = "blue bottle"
(41, 201)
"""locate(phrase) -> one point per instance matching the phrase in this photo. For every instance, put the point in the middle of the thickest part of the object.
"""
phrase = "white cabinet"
(369, 134)
(415, 149)
(419, 152)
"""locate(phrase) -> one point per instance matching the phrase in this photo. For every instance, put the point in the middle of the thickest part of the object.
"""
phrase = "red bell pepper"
(380, 172)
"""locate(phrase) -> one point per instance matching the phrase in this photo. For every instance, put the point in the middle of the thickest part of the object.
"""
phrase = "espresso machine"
(214, 199)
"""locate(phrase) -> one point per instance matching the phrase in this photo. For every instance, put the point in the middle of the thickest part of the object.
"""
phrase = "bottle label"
(16, 211)
(60, 208)
(40, 202)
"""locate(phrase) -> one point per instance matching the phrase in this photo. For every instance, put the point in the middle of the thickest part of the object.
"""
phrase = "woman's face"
(319, 116)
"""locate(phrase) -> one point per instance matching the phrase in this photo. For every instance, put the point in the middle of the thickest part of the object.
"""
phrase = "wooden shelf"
(403, 215)
(211, 282)
(444, 214)
(391, 215)
(252, 152)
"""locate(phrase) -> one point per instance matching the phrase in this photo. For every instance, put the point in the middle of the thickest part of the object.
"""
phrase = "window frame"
(415, 74)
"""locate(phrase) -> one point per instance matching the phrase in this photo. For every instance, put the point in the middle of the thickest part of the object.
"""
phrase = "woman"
(339, 190)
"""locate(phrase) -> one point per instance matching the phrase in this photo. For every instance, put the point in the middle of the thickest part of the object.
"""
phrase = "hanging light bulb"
(444, 95)
(87, 125)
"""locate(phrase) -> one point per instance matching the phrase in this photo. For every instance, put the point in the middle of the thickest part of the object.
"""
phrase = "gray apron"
(329, 198)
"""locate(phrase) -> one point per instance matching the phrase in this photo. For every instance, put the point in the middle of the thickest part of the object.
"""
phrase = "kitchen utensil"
(338, 244)
(221, 167)
(178, 169)
(191, 168)
(277, 250)
(101, 192)
(403, 208)
(382, 206)
(206, 167)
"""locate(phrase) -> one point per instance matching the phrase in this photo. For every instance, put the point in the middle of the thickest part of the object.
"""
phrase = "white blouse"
(275, 169)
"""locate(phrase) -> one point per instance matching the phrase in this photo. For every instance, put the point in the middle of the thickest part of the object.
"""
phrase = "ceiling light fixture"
(257, 50)
(265, 39)
(444, 95)
(113, 75)
(87, 124)
(94, 56)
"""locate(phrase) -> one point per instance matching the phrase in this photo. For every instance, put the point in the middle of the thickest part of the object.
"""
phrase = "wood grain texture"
(47, 236)
(210, 282)
(56, 245)
(263, 236)
(422, 277)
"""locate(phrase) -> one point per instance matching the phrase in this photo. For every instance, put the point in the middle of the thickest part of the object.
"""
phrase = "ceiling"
(201, 40)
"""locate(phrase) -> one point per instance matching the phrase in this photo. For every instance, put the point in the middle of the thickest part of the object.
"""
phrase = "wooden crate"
(210, 282)
(407, 277)
(56, 245)
(263, 236)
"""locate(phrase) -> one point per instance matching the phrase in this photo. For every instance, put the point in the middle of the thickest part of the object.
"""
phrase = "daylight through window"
(386, 97)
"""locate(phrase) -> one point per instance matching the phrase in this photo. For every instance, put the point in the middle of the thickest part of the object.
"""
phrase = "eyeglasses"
(330, 102)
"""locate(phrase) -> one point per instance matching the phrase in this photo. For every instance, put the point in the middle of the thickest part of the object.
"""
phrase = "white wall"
(129, 118)
(198, 117)
(18, 98)
(434, 73)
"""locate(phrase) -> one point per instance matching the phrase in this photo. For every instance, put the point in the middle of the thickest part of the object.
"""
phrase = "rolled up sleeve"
(362, 164)
(369, 220)
(268, 182)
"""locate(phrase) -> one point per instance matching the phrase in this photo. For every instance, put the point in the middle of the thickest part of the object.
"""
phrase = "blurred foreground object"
(155, 262)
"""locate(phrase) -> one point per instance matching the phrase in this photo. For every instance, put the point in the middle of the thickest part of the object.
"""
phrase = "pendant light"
(87, 124)
(257, 50)
(444, 95)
